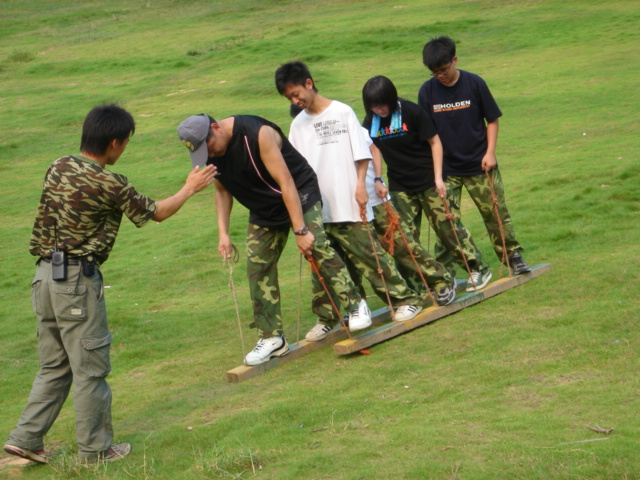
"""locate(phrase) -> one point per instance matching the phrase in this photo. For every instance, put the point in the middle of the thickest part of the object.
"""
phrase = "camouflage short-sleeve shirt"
(82, 203)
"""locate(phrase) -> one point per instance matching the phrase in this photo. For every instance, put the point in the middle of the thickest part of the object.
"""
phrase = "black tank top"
(244, 175)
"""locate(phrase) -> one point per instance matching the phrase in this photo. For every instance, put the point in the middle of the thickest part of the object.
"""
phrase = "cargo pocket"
(35, 297)
(70, 302)
(95, 355)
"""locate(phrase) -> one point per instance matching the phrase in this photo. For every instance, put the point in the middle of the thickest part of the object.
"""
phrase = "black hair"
(379, 90)
(104, 124)
(438, 52)
(292, 73)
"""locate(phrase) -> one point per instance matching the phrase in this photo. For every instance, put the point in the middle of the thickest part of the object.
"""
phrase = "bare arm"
(196, 181)
(270, 143)
(376, 159)
(224, 204)
(489, 161)
(362, 197)
(437, 155)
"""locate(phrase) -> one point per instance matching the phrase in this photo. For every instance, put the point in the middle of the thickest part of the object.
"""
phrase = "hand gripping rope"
(363, 216)
(387, 239)
(494, 200)
(316, 269)
(230, 261)
(451, 217)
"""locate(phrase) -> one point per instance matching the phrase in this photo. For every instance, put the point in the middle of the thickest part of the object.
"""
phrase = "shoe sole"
(411, 317)
(276, 353)
(482, 285)
(520, 271)
(26, 454)
(359, 327)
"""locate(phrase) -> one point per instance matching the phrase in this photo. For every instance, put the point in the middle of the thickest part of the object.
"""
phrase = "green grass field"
(501, 390)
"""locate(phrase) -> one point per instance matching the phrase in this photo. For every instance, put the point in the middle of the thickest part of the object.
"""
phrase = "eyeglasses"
(442, 72)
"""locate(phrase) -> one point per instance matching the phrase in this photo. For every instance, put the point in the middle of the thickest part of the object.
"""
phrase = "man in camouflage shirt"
(80, 211)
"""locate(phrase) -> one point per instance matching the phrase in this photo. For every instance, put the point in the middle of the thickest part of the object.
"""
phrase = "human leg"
(479, 188)
(413, 260)
(335, 274)
(496, 217)
(452, 234)
(53, 380)
(360, 243)
(82, 318)
(264, 248)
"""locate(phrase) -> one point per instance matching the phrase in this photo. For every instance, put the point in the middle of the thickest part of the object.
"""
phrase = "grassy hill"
(504, 389)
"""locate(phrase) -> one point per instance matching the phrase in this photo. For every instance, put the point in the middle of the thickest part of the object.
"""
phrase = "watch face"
(302, 231)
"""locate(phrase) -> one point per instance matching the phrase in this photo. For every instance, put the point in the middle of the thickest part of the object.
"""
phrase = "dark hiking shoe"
(517, 264)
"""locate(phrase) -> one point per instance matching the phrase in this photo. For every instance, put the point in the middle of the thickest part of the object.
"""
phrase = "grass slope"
(503, 389)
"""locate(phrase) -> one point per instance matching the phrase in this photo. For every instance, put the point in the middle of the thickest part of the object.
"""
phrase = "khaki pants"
(73, 345)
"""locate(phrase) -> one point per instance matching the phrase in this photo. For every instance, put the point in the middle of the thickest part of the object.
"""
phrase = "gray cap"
(193, 132)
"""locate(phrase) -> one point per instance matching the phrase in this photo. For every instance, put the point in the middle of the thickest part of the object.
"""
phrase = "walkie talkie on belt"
(58, 260)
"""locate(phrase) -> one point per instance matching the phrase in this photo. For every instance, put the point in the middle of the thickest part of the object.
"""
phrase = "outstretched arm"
(196, 181)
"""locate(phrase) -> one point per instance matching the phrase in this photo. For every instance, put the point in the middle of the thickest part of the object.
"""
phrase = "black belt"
(70, 261)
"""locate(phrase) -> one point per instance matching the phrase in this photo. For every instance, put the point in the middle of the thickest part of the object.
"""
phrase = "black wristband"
(378, 179)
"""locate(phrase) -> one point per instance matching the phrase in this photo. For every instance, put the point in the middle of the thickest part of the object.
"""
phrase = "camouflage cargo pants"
(264, 248)
(411, 205)
(479, 188)
(410, 256)
(355, 244)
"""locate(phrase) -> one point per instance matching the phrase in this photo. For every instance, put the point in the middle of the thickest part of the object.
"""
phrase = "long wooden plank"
(379, 317)
(433, 313)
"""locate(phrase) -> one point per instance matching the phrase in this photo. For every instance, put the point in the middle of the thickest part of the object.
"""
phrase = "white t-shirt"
(332, 141)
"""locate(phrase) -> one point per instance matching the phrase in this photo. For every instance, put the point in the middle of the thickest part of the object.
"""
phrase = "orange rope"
(394, 223)
(363, 216)
(451, 217)
(316, 268)
(494, 200)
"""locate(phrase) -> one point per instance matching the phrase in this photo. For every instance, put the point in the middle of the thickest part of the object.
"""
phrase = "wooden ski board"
(378, 317)
(433, 313)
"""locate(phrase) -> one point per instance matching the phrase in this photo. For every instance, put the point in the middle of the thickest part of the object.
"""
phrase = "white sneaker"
(320, 331)
(266, 348)
(406, 312)
(360, 318)
(479, 279)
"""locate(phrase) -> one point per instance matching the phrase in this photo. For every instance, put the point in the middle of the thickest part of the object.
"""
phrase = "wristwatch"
(301, 231)
(379, 179)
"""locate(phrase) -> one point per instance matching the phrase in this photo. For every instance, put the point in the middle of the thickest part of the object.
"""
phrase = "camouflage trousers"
(479, 188)
(264, 248)
(414, 262)
(354, 244)
(411, 205)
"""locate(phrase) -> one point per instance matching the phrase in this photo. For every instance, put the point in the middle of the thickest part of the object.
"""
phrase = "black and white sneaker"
(320, 331)
(517, 264)
(446, 295)
(266, 348)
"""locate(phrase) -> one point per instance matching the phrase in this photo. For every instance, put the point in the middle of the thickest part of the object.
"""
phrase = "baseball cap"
(193, 132)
